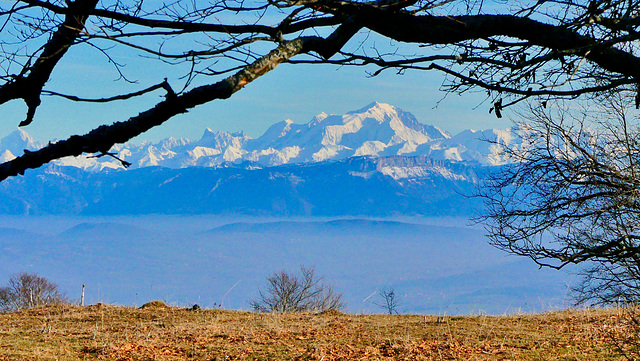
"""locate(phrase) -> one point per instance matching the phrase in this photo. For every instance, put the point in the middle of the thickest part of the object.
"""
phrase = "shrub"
(28, 290)
(154, 305)
(305, 292)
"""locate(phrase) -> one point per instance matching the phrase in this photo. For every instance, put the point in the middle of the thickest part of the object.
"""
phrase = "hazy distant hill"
(131, 260)
(356, 186)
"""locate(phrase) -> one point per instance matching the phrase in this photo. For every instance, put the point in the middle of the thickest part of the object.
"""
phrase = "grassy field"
(104, 332)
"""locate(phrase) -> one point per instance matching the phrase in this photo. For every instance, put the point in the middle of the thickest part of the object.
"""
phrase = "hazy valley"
(218, 261)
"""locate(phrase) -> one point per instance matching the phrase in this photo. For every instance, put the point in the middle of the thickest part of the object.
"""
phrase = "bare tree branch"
(572, 196)
(29, 87)
(104, 137)
(164, 85)
(516, 52)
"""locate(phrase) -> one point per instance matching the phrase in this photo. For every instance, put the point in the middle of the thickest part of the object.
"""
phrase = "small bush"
(28, 290)
(154, 305)
(286, 292)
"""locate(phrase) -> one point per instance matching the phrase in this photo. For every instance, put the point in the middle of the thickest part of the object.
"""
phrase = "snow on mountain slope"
(17, 141)
(221, 140)
(378, 130)
(485, 147)
(7, 156)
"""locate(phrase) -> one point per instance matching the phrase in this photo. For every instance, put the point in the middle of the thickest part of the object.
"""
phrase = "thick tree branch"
(193, 27)
(30, 86)
(163, 85)
(101, 139)
(429, 29)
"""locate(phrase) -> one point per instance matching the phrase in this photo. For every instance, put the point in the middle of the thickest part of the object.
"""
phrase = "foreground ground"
(104, 332)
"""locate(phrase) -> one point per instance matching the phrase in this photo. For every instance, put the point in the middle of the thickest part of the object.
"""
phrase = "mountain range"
(377, 130)
(378, 160)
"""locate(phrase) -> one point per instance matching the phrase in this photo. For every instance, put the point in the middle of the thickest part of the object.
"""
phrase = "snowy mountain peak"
(17, 141)
(375, 107)
(318, 119)
(376, 130)
(22, 134)
(382, 123)
(6, 156)
(172, 142)
(218, 140)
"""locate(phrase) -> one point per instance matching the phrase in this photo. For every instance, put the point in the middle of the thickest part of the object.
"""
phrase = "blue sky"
(296, 92)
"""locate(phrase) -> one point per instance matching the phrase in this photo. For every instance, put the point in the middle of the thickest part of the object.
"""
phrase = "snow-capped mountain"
(15, 143)
(474, 146)
(377, 130)
(378, 160)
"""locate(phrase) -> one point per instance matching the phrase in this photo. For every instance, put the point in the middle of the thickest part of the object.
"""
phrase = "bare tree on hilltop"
(389, 301)
(28, 290)
(544, 52)
(303, 292)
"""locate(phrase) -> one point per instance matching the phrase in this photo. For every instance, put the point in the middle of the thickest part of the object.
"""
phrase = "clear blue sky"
(296, 92)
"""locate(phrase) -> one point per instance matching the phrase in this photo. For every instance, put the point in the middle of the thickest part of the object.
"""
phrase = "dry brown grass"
(105, 332)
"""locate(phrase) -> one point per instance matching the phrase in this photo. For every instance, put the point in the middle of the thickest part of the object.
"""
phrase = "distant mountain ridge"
(377, 130)
(359, 186)
(182, 260)
(375, 161)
